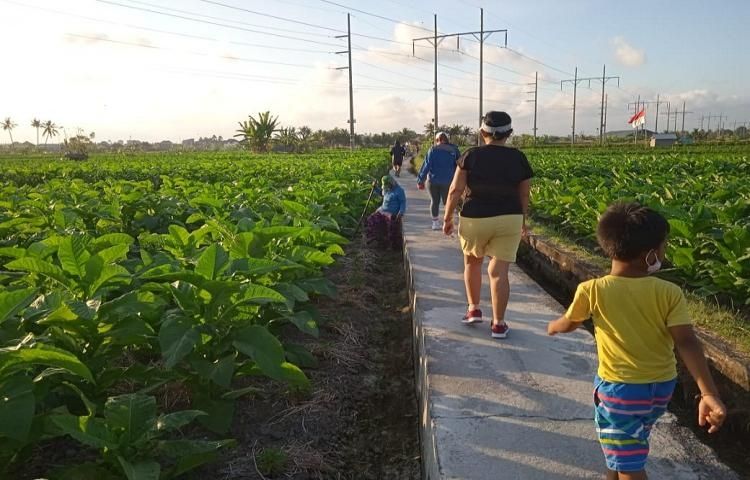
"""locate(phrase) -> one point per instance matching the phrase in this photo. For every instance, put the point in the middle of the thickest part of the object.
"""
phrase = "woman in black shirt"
(495, 180)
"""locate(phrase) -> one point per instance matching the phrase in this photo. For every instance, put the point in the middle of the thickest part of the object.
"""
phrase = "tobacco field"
(126, 277)
(703, 191)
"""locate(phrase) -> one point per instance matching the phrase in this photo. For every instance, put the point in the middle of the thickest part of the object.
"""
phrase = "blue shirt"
(394, 200)
(439, 164)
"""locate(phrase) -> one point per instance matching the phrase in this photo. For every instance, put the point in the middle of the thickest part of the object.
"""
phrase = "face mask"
(653, 267)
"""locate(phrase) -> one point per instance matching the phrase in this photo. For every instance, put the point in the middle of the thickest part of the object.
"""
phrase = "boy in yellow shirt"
(638, 321)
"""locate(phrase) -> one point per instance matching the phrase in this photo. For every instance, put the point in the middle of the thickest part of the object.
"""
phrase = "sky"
(169, 69)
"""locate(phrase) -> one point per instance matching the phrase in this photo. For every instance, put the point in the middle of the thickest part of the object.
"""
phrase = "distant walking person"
(638, 321)
(496, 180)
(397, 157)
(383, 227)
(438, 169)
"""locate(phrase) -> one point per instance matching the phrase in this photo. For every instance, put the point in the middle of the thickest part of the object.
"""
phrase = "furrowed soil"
(359, 420)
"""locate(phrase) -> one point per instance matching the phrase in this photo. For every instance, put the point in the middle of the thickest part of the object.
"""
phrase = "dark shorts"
(398, 162)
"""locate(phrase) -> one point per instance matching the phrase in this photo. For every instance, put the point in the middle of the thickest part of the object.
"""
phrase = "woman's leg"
(473, 279)
(499, 288)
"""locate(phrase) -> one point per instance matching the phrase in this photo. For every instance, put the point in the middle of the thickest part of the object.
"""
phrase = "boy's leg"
(640, 475)
(611, 475)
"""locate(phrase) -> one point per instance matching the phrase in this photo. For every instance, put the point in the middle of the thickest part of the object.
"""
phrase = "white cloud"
(627, 54)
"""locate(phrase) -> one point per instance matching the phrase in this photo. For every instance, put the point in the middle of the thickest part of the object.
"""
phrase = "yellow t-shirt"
(631, 319)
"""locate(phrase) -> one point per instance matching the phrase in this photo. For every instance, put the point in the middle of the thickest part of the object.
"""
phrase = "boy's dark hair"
(627, 230)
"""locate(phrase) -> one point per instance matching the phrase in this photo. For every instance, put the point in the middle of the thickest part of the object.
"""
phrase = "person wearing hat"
(438, 169)
(495, 180)
(397, 157)
(384, 225)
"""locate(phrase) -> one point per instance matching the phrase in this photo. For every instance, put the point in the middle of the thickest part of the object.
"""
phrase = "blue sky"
(168, 69)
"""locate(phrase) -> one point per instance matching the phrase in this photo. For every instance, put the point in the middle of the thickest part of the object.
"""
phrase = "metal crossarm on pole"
(435, 40)
(575, 81)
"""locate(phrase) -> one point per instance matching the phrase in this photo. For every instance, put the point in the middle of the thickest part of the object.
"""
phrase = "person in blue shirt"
(384, 225)
(438, 168)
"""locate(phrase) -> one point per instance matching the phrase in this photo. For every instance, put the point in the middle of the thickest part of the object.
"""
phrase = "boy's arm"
(711, 410)
(562, 325)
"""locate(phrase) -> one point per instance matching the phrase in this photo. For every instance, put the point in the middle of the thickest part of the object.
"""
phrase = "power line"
(198, 20)
(375, 15)
(284, 19)
(167, 32)
(200, 54)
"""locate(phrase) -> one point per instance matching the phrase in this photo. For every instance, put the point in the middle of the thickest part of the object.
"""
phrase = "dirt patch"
(360, 418)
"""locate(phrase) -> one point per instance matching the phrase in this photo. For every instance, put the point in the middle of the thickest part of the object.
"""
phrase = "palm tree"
(256, 134)
(9, 125)
(36, 123)
(49, 130)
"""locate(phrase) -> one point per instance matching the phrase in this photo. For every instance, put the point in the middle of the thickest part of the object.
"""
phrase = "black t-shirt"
(494, 176)
(398, 153)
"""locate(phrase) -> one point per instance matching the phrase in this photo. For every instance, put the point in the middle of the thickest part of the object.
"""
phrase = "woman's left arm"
(458, 185)
(524, 189)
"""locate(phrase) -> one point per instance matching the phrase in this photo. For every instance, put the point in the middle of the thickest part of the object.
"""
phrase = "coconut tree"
(9, 125)
(256, 133)
(49, 130)
(36, 123)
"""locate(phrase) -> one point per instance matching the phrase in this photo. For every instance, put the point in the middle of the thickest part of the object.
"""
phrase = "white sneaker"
(436, 225)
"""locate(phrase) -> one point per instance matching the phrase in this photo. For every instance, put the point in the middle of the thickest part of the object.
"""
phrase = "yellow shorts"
(496, 237)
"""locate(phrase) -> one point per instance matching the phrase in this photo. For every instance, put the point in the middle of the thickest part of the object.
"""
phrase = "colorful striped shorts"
(625, 413)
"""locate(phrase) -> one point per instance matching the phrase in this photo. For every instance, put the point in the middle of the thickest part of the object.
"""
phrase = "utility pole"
(604, 79)
(535, 92)
(348, 51)
(481, 35)
(683, 117)
(606, 104)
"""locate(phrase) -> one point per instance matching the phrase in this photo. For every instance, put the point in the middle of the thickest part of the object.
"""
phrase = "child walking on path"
(638, 321)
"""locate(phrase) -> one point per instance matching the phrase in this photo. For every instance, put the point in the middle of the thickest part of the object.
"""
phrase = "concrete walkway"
(519, 408)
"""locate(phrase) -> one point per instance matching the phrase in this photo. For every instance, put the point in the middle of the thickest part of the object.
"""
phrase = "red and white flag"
(638, 119)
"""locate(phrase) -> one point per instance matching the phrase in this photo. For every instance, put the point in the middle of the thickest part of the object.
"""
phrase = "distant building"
(663, 139)
(189, 142)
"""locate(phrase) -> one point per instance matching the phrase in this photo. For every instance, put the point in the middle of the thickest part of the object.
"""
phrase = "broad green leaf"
(321, 286)
(91, 431)
(114, 253)
(17, 406)
(73, 255)
(173, 421)
(311, 256)
(13, 301)
(259, 344)
(112, 239)
(220, 372)
(177, 338)
(41, 354)
(132, 414)
(110, 274)
(299, 355)
(12, 252)
(252, 266)
(212, 262)
(292, 293)
(179, 234)
(34, 265)
(305, 322)
(260, 294)
(141, 470)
